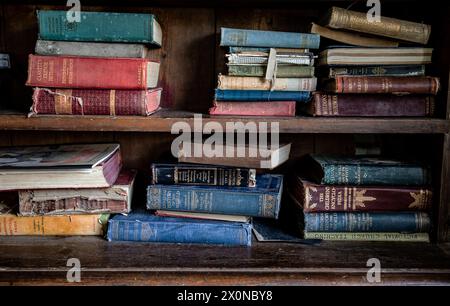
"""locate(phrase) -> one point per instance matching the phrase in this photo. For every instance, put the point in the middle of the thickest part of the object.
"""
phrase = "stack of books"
(95, 66)
(62, 190)
(268, 72)
(362, 198)
(372, 76)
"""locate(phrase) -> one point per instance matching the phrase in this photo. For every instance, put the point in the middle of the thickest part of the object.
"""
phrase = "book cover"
(113, 200)
(335, 170)
(267, 39)
(401, 70)
(397, 237)
(370, 105)
(338, 198)
(263, 200)
(100, 26)
(256, 83)
(112, 102)
(402, 222)
(145, 227)
(90, 49)
(208, 175)
(254, 108)
(261, 95)
(202, 216)
(306, 59)
(282, 71)
(71, 72)
(265, 51)
(339, 18)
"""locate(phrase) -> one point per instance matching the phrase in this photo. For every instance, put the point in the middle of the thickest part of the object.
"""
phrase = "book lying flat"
(398, 237)
(115, 199)
(376, 56)
(261, 95)
(257, 83)
(241, 59)
(253, 108)
(145, 227)
(59, 166)
(282, 71)
(399, 70)
(186, 214)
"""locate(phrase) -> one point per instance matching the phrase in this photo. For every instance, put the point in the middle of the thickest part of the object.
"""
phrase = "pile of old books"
(62, 190)
(97, 65)
(362, 198)
(372, 75)
(268, 72)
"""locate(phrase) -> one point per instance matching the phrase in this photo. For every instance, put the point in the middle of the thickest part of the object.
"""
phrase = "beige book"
(257, 83)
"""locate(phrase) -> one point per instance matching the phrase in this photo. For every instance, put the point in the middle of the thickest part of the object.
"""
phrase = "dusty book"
(256, 83)
(254, 108)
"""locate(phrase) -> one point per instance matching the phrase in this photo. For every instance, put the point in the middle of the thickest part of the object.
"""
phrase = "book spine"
(74, 225)
(414, 70)
(368, 105)
(268, 39)
(97, 26)
(95, 102)
(71, 72)
(279, 108)
(396, 85)
(208, 200)
(282, 71)
(404, 222)
(261, 95)
(255, 83)
(322, 198)
(180, 232)
(213, 176)
(47, 47)
(355, 174)
(399, 237)
(388, 27)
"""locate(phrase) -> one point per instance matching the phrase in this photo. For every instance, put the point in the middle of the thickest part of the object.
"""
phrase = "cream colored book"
(257, 83)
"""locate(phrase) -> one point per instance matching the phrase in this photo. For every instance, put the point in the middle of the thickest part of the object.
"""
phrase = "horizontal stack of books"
(268, 72)
(62, 190)
(362, 198)
(95, 66)
(373, 76)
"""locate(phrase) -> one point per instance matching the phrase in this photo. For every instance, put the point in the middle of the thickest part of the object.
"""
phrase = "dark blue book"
(403, 222)
(263, 200)
(146, 227)
(262, 95)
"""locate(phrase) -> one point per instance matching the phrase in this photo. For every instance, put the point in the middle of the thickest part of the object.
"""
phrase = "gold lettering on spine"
(64, 71)
(63, 102)
(345, 198)
(112, 102)
(335, 109)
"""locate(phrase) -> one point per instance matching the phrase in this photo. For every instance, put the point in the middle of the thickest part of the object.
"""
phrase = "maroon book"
(370, 105)
(329, 198)
(270, 109)
(95, 102)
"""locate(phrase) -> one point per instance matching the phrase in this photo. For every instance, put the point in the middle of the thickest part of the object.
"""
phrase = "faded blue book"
(402, 222)
(331, 170)
(263, 200)
(262, 95)
(146, 227)
(269, 39)
(100, 26)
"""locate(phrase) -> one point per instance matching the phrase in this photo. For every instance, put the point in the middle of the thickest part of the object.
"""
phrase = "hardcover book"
(100, 26)
(402, 70)
(202, 216)
(90, 49)
(267, 39)
(370, 105)
(335, 170)
(305, 59)
(113, 200)
(255, 83)
(59, 166)
(265, 51)
(261, 95)
(71, 72)
(282, 71)
(208, 175)
(47, 101)
(338, 198)
(352, 236)
(263, 200)
(150, 228)
(339, 18)
(254, 108)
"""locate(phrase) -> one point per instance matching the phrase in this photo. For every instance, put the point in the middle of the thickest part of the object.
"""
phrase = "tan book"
(399, 237)
(351, 38)
(339, 18)
(257, 83)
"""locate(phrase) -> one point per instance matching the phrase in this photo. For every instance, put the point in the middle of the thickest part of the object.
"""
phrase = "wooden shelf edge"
(164, 122)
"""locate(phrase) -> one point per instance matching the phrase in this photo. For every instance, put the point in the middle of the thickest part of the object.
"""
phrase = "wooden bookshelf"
(190, 62)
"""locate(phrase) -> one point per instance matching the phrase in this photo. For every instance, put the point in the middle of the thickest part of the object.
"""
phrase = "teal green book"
(100, 27)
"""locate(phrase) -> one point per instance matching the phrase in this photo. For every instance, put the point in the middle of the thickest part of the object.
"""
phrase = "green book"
(283, 71)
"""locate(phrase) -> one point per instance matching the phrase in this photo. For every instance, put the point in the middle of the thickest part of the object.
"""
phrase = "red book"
(279, 108)
(339, 198)
(95, 102)
(92, 73)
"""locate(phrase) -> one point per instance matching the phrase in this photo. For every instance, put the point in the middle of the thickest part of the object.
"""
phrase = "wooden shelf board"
(163, 121)
(42, 260)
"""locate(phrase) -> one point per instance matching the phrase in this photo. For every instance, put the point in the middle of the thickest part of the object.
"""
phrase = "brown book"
(378, 85)
(351, 38)
(370, 105)
(114, 199)
(339, 18)
(334, 198)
